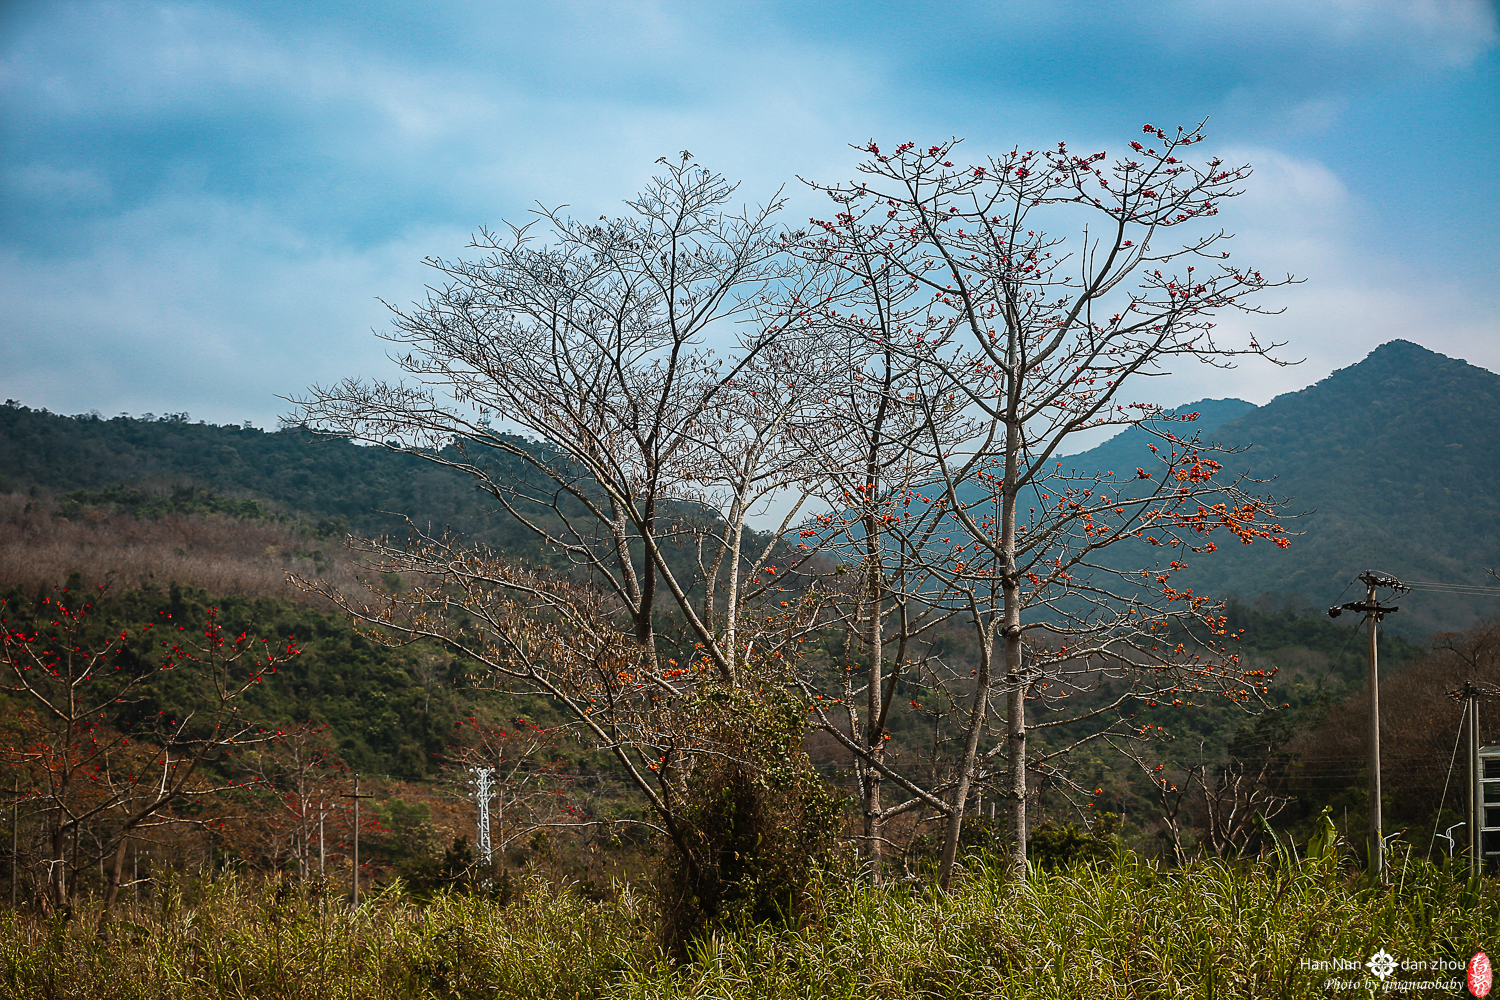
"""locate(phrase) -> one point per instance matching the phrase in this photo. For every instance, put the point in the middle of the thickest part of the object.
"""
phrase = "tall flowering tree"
(1001, 341)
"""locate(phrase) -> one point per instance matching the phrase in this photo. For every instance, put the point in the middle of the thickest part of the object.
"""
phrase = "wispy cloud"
(202, 202)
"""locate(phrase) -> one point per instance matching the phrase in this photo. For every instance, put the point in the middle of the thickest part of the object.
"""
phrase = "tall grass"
(1126, 930)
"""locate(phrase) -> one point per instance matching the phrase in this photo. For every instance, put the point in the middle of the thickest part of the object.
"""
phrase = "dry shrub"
(225, 556)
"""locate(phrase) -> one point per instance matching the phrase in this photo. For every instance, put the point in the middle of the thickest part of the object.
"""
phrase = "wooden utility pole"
(1374, 611)
(1377, 829)
(322, 812)
(354, 899)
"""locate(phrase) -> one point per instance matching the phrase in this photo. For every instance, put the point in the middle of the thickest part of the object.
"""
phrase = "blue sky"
(200, 203)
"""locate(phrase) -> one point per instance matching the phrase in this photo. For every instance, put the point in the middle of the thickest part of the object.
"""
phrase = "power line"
(1472, 589)
(1447, 777)
(1339, 659)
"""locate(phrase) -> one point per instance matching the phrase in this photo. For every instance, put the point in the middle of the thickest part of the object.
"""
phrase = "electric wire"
(1339, 659)
(1468, 589)
(1447, 777)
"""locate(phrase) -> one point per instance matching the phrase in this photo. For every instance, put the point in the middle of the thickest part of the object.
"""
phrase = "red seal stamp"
(1481, 976)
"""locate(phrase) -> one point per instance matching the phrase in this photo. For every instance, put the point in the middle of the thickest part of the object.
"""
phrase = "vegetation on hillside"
(1397, 456)
(337, 485)
(390, 713)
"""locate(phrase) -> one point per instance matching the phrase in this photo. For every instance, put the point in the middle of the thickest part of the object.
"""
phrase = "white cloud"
(218, 320)
(1361, 286)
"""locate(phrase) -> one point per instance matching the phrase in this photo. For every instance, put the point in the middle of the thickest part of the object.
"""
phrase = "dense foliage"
(363, 490)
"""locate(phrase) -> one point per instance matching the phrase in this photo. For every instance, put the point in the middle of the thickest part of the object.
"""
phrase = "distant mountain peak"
(1398, 345)
(1406, 358)
(1212, 411)
(1396, 459)
(1127, 446)
(1399, 348)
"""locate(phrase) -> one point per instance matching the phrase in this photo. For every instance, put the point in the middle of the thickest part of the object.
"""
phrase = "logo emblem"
(1381, 964)
(1481, 976)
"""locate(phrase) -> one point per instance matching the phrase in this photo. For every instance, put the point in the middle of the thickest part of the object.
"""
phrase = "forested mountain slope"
(365, 489)
(1396, 461)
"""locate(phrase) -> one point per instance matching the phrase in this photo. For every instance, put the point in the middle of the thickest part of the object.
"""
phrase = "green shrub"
(758, 821)
(1054, 846)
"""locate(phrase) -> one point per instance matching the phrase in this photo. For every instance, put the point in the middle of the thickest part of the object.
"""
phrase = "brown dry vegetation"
(1419, 730)
(225, 556)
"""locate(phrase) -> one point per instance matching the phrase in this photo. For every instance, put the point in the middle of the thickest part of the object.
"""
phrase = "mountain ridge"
(1395, 460)
(1394, 464)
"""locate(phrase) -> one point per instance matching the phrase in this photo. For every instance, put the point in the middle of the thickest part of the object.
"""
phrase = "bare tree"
(1033, 345)
(299, 769)
(649, 454)
(644, 440)
(917, 364)
(1228, 803)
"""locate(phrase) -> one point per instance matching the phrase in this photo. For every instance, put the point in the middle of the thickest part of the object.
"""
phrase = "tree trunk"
(1010, 589)
(1016, 738)
(977, 712)
(875, 740)
(57, 873)
(112, 886)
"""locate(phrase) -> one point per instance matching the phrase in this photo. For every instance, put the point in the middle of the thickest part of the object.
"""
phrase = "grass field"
(1129, 929)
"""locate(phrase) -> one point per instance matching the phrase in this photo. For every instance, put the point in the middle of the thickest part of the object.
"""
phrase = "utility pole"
(1476, 794)
(1470, 694)
(356, 797)
(1374, 611)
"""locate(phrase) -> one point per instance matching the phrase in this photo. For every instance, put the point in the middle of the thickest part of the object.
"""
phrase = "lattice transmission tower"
(482, 793)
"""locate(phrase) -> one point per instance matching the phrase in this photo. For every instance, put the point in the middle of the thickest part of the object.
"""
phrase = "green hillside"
(1397, 461)
(1394, 460)
(362, 489)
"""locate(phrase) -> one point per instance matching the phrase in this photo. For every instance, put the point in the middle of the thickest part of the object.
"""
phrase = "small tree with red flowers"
(85, 757)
